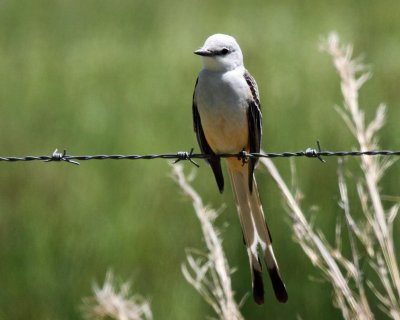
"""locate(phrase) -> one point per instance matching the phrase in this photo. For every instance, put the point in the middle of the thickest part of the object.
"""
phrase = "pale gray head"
(220, 52)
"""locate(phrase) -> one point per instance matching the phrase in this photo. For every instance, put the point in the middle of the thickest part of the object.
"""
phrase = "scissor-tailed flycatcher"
(227, 119)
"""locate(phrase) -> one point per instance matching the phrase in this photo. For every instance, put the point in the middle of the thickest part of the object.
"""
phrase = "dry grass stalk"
(319, 252)
(208, 273)
(372, 237)
(111, 302)
(373, 168)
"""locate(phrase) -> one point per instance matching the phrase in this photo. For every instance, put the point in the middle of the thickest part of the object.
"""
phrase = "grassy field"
(104, 77)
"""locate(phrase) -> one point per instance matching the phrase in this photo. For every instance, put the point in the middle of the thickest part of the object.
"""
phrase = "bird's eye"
(224, 51)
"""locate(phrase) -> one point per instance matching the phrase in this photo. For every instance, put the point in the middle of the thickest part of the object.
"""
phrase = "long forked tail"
(255, 234)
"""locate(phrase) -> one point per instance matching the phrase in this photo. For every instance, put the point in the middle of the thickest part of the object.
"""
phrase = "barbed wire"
(57, 156)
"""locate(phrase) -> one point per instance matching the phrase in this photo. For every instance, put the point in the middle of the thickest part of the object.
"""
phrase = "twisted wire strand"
(189, 156)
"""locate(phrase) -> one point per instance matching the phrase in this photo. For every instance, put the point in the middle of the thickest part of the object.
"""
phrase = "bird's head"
(220, 52)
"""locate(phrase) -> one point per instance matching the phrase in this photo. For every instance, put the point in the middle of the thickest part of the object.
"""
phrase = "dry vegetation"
(370, 235)
(115, 302)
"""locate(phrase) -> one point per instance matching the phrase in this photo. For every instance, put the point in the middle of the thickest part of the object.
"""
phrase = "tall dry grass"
(208, 272)
(113, 301)
(370, 237)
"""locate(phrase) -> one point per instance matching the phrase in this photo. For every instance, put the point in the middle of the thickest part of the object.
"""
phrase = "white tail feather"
(255, 233)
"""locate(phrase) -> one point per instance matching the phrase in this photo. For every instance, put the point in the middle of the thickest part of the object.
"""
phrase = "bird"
(227, 119)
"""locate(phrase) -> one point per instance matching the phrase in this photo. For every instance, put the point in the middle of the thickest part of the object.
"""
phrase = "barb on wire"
(58, 156)
(312, 153)
(184, 155)
(244, 156)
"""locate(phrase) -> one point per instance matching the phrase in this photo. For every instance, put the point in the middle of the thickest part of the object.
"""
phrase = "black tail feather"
(258, 287)
(278, 285)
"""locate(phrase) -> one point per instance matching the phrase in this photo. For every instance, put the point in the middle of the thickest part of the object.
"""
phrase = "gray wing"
(255, 133)
(254, 118)
(205, 148)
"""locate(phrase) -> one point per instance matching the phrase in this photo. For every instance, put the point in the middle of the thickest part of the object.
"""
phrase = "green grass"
(117, 77)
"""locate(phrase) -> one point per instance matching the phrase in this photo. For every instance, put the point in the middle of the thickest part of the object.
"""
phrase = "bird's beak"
(203, 52)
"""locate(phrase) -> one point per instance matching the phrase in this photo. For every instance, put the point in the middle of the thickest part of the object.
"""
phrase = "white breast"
(222, 101)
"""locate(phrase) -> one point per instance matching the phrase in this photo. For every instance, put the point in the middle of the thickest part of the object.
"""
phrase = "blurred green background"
(117, 76)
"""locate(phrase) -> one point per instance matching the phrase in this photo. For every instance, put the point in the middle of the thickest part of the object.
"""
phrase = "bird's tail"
(255, 234)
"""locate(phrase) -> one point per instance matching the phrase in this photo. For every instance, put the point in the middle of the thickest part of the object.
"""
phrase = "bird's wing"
(205, 148)
(254, 118)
